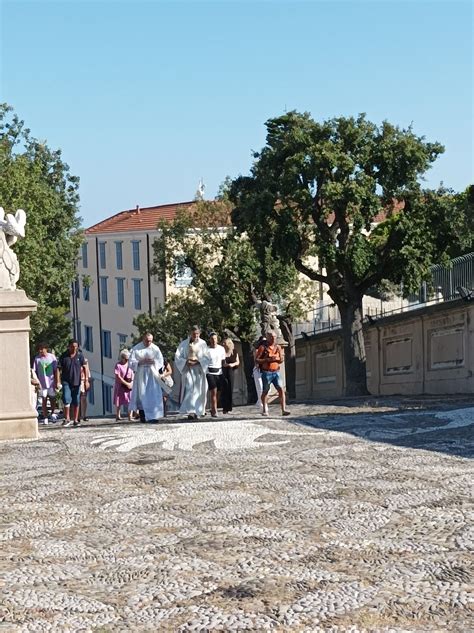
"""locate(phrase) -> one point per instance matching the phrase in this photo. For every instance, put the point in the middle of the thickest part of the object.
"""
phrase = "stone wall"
(424, 351)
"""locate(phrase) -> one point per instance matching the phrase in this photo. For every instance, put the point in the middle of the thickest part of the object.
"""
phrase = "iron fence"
(442, 286)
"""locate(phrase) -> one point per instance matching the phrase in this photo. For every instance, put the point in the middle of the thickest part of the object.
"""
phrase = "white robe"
(257, 377)
(146, 392)
(193, 377)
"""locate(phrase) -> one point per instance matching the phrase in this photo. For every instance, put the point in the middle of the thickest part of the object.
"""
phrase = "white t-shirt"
(217, 355)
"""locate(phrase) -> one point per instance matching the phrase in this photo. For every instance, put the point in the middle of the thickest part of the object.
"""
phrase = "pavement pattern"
(350, 517)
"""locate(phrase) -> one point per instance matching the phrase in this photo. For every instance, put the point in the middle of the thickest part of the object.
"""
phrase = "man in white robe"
(192, 361)
(146, 360)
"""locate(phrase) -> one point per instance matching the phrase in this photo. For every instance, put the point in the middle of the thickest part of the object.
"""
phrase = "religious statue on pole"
(11, 228)
(268, 316)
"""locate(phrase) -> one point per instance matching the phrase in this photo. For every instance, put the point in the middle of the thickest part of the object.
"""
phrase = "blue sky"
(145, 98)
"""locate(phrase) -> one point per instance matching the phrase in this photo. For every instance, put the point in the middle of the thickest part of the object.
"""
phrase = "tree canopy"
(35, 178)
(229, 271)
(342, 201)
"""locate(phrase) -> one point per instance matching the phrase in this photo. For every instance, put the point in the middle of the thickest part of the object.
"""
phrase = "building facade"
(114, 286)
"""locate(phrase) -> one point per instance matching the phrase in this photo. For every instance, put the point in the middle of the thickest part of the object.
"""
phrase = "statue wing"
(16, 224)
(6, 257)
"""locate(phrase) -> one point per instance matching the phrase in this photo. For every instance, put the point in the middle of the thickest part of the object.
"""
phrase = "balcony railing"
(443, 285)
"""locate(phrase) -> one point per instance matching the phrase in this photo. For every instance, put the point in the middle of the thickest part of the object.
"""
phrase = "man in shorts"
(72, 366)
(45, 365)
(269, 358)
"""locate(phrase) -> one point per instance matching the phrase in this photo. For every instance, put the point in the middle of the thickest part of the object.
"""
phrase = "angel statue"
(200, 190)
(268, 315)
(11, 228)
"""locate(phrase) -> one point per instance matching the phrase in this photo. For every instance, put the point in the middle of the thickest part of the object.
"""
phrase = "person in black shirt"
(72, 366)
(166, 375)
(229, 365)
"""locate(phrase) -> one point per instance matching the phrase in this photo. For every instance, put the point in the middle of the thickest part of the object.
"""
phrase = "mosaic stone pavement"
(342, 518)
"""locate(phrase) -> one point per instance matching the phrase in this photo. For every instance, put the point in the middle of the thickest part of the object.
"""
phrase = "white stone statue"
(200, 190)
(11, 228)
(268, 315)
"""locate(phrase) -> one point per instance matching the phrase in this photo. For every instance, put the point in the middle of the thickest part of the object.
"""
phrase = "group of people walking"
(143, 378)
(204, 368)
(68, 375)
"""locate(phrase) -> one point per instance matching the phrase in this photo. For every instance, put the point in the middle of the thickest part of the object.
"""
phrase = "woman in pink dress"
(123, 385)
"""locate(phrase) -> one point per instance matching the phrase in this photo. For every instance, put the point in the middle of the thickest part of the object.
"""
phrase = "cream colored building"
(114, 286)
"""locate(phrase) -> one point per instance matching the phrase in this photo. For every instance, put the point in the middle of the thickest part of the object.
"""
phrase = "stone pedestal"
(18, 418)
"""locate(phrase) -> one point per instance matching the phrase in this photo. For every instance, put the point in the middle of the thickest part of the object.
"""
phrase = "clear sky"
(145, 98)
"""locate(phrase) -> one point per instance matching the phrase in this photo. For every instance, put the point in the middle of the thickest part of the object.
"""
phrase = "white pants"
(257, 377)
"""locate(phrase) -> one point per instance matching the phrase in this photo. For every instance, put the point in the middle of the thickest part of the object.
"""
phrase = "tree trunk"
(353, 347)
(249, 362)
(290, 355)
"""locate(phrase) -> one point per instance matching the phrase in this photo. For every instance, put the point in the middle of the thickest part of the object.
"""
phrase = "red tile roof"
(388, 211)
(147, 219)
(138, 219)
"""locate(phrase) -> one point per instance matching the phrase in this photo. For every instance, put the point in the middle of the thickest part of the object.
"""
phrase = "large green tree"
(35, 178)
(342, 202)
(229, 273)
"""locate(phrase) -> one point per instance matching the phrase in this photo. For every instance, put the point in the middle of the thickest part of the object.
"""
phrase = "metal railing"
(441, 287)
(446, 279)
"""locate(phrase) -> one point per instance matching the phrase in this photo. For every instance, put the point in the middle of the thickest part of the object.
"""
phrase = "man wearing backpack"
(269, 357)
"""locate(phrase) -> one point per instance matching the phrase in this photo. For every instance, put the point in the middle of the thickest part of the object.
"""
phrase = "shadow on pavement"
(433, 428)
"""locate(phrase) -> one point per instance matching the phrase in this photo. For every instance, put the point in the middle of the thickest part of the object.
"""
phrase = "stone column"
(18, 417)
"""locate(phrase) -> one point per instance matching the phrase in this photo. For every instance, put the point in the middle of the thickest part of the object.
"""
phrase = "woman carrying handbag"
(123, 385)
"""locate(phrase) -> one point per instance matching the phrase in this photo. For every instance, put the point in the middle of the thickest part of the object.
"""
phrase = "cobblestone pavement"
(344, 518)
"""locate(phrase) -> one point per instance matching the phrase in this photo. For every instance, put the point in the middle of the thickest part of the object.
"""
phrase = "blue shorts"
(271, 378)
(71, 394)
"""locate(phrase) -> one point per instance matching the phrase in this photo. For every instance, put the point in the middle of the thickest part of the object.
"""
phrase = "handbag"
(128, 379)
(169, 382)
(166, 384)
